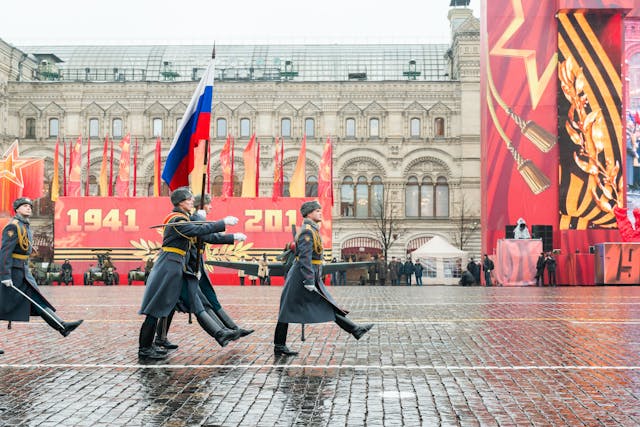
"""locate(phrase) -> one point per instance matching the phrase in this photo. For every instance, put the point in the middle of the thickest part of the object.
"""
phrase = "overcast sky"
(224, 21)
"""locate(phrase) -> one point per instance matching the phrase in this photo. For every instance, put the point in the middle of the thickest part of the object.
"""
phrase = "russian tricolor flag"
(194, 128)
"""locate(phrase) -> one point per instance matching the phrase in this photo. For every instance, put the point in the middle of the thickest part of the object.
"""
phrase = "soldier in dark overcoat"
(14, 272)
(205, 296)
(304, 297)
(170, 275)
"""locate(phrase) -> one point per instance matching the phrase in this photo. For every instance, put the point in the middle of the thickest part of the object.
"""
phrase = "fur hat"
(22, 201)
(308, 207)
(180, 194)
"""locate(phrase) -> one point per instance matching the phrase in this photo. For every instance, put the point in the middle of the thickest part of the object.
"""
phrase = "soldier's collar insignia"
(307, 238)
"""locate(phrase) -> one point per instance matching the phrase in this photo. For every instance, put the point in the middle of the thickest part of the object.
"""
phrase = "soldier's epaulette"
(174, 215)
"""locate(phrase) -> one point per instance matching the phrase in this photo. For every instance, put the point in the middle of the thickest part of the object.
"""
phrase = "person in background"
(488, 267)
(540, 269)
(334, 275)
(408, 269)
(394, 271)
(521, 231)
(241, 273)
(382, 270)
(550, 265)
(472, 268)
(417, 270)
(342, 274)
(263, 270)
(372, 270)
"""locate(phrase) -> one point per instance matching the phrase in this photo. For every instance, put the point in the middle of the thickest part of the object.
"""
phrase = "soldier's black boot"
(229, 323)
(211, 326)
(354, 329)
(1, 351)
(146, 350)
(161, 333)
(52, 319)
(279, 340)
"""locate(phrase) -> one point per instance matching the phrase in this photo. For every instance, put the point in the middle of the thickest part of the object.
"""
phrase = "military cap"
(207, 199)
(22, 201)
(308, 207)
(180, 194)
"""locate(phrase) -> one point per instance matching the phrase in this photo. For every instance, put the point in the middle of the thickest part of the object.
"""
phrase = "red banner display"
(551, 137)
(120, 226)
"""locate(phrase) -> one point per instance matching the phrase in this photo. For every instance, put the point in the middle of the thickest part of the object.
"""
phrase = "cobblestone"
(562, 356)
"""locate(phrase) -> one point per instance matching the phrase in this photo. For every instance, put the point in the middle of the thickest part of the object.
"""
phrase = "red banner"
(87, 226)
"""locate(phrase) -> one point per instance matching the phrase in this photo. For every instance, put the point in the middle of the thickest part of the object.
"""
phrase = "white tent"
(440, 257)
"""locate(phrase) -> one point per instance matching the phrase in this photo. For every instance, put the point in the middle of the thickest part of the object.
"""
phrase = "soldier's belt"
(314, 261)
(174, 250)
(19, 256)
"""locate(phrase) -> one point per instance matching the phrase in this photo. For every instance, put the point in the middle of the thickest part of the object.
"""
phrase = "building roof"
(321, 62)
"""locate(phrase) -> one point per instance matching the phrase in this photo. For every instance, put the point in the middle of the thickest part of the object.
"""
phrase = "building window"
(414, 130)
(94, 128)
(245, 128)
(350, 128)
(221, 128)
(347, 197)
(157, 127)
(178, 123)
(439, 126)
(442, 197)
(116, 128)
(377, 197)
(216, 189)
(311, 187)
(285, 128)
(411, 198)
(374, 128)
(362, 197)
(426, 197)
(54, 128)
(309, 127)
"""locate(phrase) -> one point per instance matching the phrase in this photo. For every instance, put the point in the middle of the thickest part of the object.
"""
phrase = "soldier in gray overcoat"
(170, 275)
(14, 273)
(304, 297)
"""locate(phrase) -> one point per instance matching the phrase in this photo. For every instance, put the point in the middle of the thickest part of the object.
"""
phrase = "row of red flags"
(72, 167)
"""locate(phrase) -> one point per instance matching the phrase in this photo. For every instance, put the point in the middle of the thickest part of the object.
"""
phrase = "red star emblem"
(19, 176)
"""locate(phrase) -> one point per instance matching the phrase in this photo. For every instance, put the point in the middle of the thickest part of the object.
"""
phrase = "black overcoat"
(14, 265)
(297, 304)
(170, 273)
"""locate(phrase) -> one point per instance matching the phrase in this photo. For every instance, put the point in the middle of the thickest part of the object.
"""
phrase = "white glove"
(201, 213)
(199, 274)
(230, 220)
(310, 288)
(8, 283)
(239, 236)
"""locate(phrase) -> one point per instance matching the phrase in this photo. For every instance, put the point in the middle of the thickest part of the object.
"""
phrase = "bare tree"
(386, 227)
(466, 222)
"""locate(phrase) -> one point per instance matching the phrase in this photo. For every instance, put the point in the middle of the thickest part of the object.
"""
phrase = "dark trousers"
(487, 278)
(147, 331)
(540, 278)
(552, 278)
(241, 280)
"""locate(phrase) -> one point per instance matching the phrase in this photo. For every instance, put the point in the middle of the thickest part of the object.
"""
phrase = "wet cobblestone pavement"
(437, 356)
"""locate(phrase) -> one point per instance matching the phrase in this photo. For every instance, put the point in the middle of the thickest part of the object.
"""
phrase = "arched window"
(285, 128)
(438, 125)
(94, 189)
(442, 197)
(347, 196)
(54, 128)
(377, 197)
(374, 128)
(362, 197)
(309, 127)
(216, 186)
(94, 128)
(311, 187)
(350, 128)
(30, 128)
(426, 197)
(116, 128)
(411, 197)
(221, 128)
(414, 130)
(245, 128)
(157, 127)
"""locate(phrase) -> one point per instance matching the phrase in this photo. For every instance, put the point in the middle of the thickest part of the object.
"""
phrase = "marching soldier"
(170, 274)
(206, 295)
(19, 295)
(304, 298)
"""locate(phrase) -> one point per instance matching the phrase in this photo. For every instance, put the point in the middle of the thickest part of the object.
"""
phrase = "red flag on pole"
(122, 180)
(104, 179)
(55, 184)
(250, 173)
(226, 164)
(135, 167)
(156, 168)
(111, 171)
(325, 175)
(75, 169)
(64, 168)
(278, 172)
(86, 184)
(258, 168)
(298, 179)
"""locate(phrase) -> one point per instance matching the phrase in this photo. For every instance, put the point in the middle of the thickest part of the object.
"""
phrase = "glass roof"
(247, 62)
